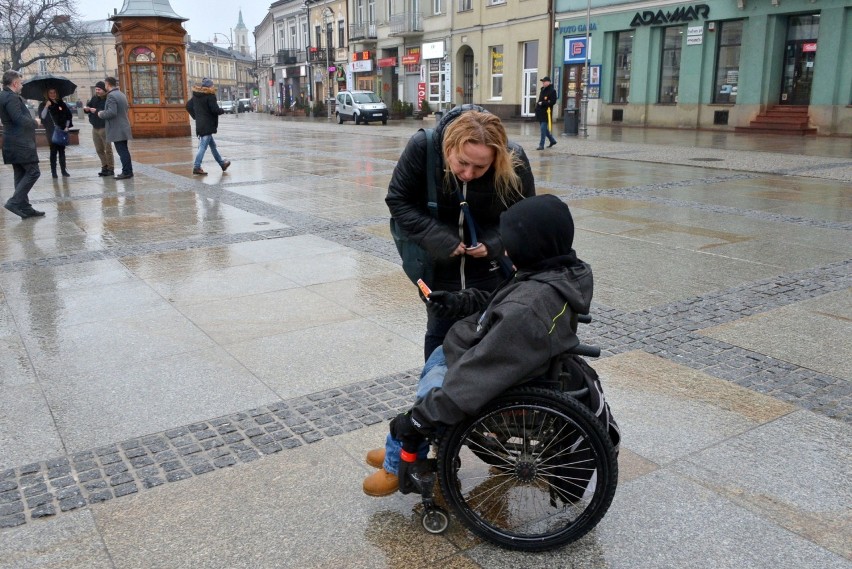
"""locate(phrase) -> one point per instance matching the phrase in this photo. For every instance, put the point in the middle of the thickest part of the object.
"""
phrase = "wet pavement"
(191, 369)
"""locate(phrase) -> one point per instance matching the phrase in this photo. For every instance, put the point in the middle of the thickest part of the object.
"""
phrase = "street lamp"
(230, 42)
(584, 102)
(326, 14)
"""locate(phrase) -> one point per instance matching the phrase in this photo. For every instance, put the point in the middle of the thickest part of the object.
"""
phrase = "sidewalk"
(191, 369)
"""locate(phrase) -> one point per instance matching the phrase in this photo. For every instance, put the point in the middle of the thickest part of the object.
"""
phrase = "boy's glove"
(456, 305)
(403, 428)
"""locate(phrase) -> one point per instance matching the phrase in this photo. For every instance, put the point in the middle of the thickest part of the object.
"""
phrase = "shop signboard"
(575, 50)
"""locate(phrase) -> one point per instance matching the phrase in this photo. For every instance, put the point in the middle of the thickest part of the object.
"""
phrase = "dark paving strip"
(67, 483)
(829, 166)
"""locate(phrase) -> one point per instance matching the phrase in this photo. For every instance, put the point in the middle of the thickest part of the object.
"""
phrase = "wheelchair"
(534, 470)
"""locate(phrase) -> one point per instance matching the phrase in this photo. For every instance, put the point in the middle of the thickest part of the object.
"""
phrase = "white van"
(360, 106)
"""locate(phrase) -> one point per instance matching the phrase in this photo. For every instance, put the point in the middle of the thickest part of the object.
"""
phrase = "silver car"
(361, 107)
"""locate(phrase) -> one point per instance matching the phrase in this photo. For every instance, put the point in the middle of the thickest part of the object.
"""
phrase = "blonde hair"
(474, 127)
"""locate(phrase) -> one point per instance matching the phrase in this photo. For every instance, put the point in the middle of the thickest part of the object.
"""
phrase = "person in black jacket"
(102, 147)
(544, 112)
(204, 108)
(54, 113)
(19, 144)
(476, 161)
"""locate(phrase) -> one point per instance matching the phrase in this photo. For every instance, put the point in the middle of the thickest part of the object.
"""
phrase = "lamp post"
(584, 102)
(230, 41)
(325, 14)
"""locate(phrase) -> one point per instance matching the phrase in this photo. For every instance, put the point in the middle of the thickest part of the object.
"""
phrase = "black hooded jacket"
(523, 324)
(407, 197)
(205, 110)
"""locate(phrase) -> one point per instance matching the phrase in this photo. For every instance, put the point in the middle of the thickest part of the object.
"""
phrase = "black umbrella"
(36, 87)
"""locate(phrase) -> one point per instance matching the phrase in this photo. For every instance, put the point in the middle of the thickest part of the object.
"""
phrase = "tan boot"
(381, 483)
(376, 457)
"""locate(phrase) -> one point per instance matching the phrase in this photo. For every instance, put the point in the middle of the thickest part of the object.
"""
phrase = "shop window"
(728, 62)
(144, 82)
(670, 68)
(623, 59)
(172, 77)
(496, 52)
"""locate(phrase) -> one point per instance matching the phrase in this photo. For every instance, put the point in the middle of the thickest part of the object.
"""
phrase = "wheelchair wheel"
(533, 471)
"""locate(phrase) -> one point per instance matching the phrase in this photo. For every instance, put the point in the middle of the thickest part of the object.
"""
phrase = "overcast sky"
(204, 16)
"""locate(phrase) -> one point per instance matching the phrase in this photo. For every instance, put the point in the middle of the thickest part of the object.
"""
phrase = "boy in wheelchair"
(505, 337)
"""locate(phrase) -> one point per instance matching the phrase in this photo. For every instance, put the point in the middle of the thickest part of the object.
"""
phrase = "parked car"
(228, 106)
(244, 106)
(360, 106)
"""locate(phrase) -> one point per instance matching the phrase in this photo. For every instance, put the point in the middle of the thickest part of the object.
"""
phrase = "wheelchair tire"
(549, 477)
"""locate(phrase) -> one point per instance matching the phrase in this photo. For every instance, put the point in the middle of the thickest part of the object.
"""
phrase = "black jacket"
(19, 145)
(546, 100)
(58, 114)
(205, 110)
(97, 103)
(407, 199)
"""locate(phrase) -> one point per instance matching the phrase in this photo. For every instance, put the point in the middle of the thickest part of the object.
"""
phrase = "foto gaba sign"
(681, 14)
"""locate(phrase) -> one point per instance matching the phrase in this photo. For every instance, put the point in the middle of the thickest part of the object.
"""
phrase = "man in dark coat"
(19, 145)
(204, 108)
(118, 125)
(102, 147)
(544, 112)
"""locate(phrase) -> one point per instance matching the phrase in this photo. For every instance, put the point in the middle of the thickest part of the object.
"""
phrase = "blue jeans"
(203, 143)
(545, 133)
(431, 377)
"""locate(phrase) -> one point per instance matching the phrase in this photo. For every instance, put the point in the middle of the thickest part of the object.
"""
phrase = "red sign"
(361, 56)
(387, 62)
(421, 94)
(806, 47)
(412, 59)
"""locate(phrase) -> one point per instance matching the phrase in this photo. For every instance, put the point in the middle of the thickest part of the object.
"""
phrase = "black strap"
(431, 164)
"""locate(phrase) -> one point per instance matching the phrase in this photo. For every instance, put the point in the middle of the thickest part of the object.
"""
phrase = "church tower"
(241, 37)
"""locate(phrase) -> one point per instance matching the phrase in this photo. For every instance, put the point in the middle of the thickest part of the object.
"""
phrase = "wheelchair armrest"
(585, 350)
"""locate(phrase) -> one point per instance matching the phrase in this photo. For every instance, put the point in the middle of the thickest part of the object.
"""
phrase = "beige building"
(232, 72)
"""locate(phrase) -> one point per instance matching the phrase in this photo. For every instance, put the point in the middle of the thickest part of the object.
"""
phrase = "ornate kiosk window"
(173, 76)
(144, 81)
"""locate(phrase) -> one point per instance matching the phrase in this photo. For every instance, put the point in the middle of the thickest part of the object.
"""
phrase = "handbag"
(416, 262)
(59, 137)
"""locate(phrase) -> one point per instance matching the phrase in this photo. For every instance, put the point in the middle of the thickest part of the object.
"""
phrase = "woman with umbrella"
(54, 113)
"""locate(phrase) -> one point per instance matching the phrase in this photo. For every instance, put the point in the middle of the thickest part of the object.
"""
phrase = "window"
(306, 40)
(318, 34)
(728, 62)
(413, 56)
(670, 68)
(436, 6)
(329, 35)
(341, 37)
(42, 64)
(465, 5)
(623, 57)
(359, 12)
(293, 39)
(494, 2)
(144, 82)
(92, 61)
(65, 64)
(172, 77)
(496, 52)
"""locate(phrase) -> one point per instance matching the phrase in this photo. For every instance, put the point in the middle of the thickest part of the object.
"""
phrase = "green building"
(765, 65)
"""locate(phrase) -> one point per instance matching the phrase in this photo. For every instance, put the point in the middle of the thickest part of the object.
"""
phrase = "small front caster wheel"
(435, 520)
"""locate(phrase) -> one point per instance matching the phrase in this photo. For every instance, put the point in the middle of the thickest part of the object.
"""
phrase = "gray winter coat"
(19, 145)
(525, 325)
(115, 116)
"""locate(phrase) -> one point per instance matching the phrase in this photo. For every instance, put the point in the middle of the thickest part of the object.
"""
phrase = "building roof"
(240, 24)
(210, 49)
(147, 8)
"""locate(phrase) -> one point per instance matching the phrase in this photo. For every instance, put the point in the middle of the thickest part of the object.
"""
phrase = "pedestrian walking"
(117, 125)
(53, 112)
(19, 144)
(544, 112)
(102, 147)
(205, 110)
(476, 169)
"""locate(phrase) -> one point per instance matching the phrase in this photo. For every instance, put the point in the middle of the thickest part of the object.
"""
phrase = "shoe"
(381, 483)
(539, 148)
(225, 165)
(109, 172)
(17, 211)
(198, 172)
(103, 173)
(552, 144)
(32, 212)
(65, 174)
(123, 176)
(376, 457)
(54, 174)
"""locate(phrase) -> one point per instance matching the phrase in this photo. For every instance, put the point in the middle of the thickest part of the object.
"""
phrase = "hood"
(199, 90)
(575, 284)
(538, 233)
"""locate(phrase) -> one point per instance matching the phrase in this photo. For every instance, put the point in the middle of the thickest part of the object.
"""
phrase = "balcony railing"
(286, 57)
(362, 31)
(320, 55)
(407, 23)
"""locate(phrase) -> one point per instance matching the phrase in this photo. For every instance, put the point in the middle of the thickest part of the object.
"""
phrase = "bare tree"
(30, 28)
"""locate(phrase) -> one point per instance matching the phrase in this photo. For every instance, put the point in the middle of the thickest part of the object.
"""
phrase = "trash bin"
(571, 124)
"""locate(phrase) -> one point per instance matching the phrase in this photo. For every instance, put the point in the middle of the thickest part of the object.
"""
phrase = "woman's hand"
(479, 251)
(460, 250)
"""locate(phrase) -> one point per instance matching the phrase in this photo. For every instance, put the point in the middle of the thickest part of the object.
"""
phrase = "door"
(572, 86)
(530, 93)
(799, 59)
(467, 77)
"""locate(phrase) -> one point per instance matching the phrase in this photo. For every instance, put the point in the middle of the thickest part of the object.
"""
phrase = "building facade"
(716, 64)
(232, 71)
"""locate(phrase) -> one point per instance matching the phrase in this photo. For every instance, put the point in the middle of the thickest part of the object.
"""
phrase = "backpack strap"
(431, 164)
